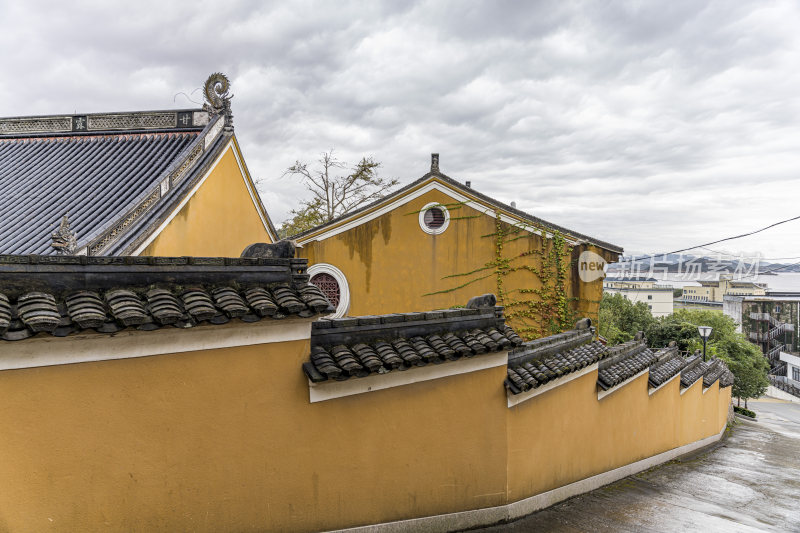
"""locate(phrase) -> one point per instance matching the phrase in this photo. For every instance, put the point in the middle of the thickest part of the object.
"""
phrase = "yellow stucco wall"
(226, 440)
(220, 220)
(576, 435)
(393, 266)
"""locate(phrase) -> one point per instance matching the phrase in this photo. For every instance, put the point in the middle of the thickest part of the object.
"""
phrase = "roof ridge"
(89, 123)
(96, 113)
(435, 173)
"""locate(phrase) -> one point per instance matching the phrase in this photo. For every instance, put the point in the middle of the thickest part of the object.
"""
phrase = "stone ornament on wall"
(35, 125)
(133, 121)
(64, 239)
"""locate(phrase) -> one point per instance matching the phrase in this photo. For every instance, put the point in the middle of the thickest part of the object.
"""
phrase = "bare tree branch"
(333, 193)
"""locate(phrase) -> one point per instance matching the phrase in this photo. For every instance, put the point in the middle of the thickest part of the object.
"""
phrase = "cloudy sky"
(652, 125)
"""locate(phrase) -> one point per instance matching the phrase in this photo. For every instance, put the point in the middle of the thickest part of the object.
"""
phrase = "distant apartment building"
(640, 289)
(792, 367)
(769, 321)
(715, 291)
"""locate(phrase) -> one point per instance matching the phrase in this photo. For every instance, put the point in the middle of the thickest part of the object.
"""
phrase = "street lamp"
(705, 333)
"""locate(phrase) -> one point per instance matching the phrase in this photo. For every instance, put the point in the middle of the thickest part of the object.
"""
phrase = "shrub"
(743, 411)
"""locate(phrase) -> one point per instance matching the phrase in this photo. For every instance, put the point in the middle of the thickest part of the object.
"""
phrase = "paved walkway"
(749, 482)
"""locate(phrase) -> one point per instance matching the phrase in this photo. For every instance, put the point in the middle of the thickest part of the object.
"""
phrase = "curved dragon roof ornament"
(217, 93)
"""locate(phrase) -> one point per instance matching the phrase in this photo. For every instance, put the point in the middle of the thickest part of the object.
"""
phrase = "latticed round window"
(434, 218)
(329, 286)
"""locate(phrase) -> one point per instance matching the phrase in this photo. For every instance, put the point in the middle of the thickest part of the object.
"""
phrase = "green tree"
(744, 359)
(620, 319)
(681, 327)
(306, 217)
(335, 188)
(748, 365)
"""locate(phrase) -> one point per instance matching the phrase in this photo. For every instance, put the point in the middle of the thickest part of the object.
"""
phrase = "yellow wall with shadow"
(220, 220)
(393, 266)
(577, 436)
(226, 440)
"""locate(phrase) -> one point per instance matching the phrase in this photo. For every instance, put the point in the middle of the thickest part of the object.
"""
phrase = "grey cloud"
(650, 125)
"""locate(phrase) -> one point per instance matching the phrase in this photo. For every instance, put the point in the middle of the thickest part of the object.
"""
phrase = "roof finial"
(218, 99)
(64, 240)
(434, 162)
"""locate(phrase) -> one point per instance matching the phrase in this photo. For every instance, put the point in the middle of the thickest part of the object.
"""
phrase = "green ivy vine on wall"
(536, 311)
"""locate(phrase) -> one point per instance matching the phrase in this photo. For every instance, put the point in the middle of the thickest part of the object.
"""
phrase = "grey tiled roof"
(635, 356)
(117, 176)
(695, 369)
(91, 179)
(708, 371)
(668, 365)
(531, 374)
(540, 361)
(60, 295)
(117, 309)
(360, 346)
(93, 168)
(717, 370)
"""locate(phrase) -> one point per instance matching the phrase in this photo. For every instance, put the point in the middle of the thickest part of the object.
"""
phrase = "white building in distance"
(657, 297)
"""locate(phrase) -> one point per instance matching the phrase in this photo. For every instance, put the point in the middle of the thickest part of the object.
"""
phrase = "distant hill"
(675, 264)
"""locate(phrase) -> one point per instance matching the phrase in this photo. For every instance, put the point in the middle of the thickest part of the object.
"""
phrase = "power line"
(720, 252)
(718, 241)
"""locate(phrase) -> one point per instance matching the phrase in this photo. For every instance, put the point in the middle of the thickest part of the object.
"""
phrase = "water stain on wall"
(359, 240)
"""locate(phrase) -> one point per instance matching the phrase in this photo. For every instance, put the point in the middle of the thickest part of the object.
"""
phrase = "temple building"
(166, 366)
(437, 241)
(137, 183)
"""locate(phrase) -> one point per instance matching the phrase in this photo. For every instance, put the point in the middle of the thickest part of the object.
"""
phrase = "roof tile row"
(541, 361)
(717, 370)
(695, 369)
(360, 359)
(638, 359)
(534, 373)
(116, 309)
(669, 364)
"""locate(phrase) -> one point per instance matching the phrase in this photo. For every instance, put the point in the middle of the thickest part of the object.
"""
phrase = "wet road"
(778, 415)
(749, 482)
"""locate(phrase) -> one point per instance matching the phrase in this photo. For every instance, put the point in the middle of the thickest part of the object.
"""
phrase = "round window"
(329, 287)
(333, 284)
(434, 218)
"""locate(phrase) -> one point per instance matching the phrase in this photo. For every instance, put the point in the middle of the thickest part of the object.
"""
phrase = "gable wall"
(220, 220)
(393, 266)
